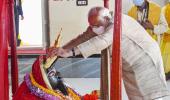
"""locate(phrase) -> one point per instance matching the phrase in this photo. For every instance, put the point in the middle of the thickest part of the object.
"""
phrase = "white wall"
(31, 26)
(73, 19)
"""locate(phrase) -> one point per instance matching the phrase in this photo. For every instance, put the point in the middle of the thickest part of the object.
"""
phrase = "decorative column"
(12, 35)
(116, 68)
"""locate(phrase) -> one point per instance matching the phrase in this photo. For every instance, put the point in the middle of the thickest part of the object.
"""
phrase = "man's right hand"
(52, 51)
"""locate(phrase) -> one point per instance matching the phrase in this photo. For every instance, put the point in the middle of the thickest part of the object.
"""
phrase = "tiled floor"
(77, 73)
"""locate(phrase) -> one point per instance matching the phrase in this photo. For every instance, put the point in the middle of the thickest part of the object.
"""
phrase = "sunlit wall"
(31, 26)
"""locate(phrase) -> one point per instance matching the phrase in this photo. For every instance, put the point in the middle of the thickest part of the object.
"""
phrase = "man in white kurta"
(143, 72)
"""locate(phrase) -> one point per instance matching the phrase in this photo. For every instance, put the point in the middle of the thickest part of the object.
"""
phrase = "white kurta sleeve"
(162, 25)
(96, 44)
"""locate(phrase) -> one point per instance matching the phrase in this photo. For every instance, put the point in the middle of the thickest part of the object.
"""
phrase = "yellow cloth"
(153, 17)
(167, 13)
(165, 45)
(50, 61)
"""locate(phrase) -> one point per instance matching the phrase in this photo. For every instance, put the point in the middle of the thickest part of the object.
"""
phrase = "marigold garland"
(74, 95)
(48, 91)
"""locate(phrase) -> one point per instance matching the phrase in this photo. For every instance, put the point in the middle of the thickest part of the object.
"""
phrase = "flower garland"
(74, 94)
(47, 94)
(41, 91)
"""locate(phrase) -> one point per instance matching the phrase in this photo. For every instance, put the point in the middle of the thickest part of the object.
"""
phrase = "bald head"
(98, 16)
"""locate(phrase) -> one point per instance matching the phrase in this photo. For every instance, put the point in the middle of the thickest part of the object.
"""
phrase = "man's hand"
(50, 52)
(59, 52)
(147, 25)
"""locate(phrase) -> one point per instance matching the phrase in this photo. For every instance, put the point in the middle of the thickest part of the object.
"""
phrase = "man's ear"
(107, 19)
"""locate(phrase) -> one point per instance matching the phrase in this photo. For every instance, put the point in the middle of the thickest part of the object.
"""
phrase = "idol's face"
(56, 81)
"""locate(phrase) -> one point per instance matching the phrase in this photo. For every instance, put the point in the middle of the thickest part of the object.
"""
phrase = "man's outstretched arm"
(80, 39)
(67, 49)
(91, 46)
(96, 44)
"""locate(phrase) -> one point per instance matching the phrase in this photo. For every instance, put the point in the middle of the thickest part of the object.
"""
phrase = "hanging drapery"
(4, 89)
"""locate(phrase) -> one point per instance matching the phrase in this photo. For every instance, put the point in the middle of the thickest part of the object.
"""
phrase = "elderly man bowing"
(143, 72)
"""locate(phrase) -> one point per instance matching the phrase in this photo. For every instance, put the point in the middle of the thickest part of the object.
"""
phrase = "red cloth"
(36, 71)
(23, 92)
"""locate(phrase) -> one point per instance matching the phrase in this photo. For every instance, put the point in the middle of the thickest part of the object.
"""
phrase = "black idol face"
(56, 81)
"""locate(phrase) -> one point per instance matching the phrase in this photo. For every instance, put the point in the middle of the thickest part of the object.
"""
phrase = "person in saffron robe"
(149, 15)
(165, 43)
